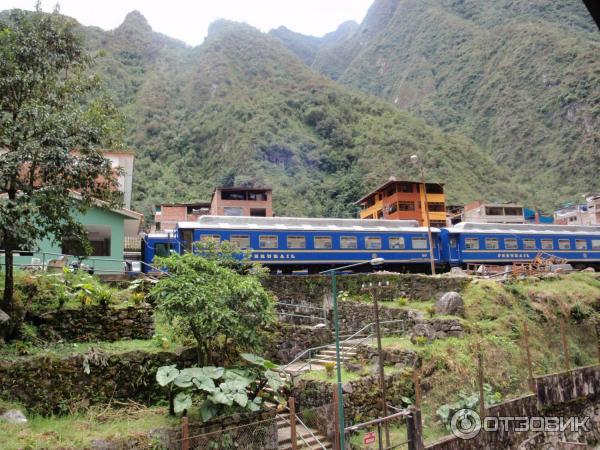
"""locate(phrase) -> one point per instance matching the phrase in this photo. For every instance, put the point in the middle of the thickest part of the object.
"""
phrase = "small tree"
(52, 122)
(214, 297)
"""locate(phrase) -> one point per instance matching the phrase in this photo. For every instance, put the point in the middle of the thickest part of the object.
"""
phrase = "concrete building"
(482, 212)
(405, 200)
(225, 201)
(593, 206)
(241, 201)
(573, 215)
(123, 160)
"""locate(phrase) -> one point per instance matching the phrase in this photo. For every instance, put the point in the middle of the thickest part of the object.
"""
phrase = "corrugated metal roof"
(303, 223)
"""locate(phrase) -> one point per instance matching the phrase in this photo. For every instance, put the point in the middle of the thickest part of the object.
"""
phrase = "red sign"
(369, 438)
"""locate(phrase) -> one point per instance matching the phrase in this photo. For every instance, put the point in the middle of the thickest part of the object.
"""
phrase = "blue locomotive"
(289, 244)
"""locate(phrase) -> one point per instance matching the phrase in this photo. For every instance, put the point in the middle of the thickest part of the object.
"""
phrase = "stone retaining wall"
(316, 289)
(354, 315)
(399, 357)
(95, 323)
(287, 341)
(50, 384)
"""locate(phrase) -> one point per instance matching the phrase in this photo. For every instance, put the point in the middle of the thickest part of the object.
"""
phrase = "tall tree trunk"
(7, 297)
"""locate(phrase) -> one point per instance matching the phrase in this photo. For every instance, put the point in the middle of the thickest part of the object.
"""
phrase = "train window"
(511, 244)
(265, 241)
(492, 244)
(210, 237)
(396, 243)
(241, 241)
(419, 243)
(580, 244)
(373, 242)
(296, 242)
(547, 244)
(472, 243)
(529, 244)
(564, 244)
(595, 244)
(162, 249)
(348, 242)
(323, 242)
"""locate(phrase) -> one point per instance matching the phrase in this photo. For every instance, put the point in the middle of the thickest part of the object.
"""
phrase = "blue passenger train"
(288, 244)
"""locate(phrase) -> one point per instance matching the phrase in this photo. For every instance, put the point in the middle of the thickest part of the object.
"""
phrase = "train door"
(453, 249)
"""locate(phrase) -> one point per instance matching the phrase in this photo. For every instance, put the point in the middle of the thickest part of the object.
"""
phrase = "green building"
(108, 231)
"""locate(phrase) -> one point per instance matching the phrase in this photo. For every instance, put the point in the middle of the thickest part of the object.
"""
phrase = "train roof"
(303, 223)
(523, 228)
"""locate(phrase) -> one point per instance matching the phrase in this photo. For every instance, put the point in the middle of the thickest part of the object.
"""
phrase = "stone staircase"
(324, 356)
(307, 439)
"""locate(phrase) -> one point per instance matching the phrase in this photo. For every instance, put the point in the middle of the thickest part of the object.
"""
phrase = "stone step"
(342, 352)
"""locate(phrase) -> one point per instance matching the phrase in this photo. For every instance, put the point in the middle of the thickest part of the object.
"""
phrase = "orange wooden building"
(405, 200)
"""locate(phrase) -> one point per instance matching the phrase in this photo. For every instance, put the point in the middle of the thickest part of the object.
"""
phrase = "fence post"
(294, 437)
(414, 429)
(417, 386)
(185, 434)
(563, 336)
(480, 381)
(337, 418)
(528, 350)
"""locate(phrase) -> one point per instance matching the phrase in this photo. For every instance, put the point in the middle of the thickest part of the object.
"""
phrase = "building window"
(406, 187)
(348, 242)
(436, 206)
(232, 211)
(547, 244)
(210, 237)
(99, 237)
(437, 224)
(492, 244)
(258, 212)
(472, 243)
(580, 244)
(158, 208)
(380, 214)
(162, 249)
(493, 211)
(511, 244)
(390, 191)
(157, 226)
(392, 208)
(257, 196)
(419, 243)
(372, 243)
(406, 206)
(595, 244)
(564, 244)
(434, 189)
(396, 243)
(241, 241)
(233, 195)
(323, 242)
(296, 242)
(267, 241)
(512, 211)
(529, 244)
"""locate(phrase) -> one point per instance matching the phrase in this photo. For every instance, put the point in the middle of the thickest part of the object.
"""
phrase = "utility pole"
(373, 290)
(416, 160)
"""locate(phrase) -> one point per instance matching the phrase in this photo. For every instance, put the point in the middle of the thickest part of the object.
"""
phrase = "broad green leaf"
(182, 402)
(253, 407)
(259, 361)
(273, 380)
(207, 384)
(241, 398)
(213, 372)
(207, 411)
(220, 397)
(166, 374)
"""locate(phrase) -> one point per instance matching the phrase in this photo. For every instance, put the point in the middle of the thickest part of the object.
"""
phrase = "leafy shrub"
(329, 369)
(402, 301)
(430, 310)
(421, 340)
(220, 391)
(446, 411)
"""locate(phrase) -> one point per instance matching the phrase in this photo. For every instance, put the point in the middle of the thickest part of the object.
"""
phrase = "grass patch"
(78, 431)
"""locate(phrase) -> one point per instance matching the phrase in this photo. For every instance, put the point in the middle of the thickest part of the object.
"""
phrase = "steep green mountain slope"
(242, 108)
(520, 78)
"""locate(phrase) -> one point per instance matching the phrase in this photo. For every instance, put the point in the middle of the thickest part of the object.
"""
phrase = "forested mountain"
(241, 108)
(520, 78)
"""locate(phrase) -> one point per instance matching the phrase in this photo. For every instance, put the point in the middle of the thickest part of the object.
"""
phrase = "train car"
(157, 244)
(492, 243)
(289, 244)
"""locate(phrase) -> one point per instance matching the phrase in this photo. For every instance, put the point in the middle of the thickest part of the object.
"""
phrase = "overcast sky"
(188, 20)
